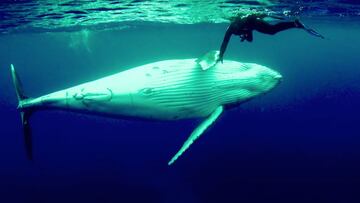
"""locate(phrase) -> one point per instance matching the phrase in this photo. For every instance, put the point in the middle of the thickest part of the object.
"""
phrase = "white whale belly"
(165, 90)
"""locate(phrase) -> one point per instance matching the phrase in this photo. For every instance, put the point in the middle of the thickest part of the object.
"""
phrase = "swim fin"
(307, 29)
(313, 32)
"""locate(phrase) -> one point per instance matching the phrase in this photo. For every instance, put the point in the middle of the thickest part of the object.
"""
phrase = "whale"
(165, 90)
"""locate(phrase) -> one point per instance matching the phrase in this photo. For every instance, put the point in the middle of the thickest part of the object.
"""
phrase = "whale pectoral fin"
(209, 60)
(197, 132)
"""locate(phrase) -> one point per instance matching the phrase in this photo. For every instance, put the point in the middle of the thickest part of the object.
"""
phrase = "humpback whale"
(163, 90)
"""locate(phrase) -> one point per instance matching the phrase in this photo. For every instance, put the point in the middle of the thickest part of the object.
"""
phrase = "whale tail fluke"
(24, 112)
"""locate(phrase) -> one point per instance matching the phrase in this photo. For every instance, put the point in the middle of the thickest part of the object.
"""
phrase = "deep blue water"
(298, 143)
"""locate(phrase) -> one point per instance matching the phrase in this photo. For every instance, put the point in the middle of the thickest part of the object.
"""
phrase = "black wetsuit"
(243, 27)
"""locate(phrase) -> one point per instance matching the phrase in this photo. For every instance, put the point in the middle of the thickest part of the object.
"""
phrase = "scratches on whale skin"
(146, 91)
(159, 70)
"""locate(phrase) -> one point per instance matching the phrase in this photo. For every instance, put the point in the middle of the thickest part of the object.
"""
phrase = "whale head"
(243, 81)
(261, 78)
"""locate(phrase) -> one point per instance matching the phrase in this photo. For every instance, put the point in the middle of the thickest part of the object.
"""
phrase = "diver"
(243, 25)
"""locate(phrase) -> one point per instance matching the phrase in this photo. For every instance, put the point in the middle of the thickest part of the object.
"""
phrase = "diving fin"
(24, 112)
(307, 29)
(209, 60)
(197, 132)
(313, 32)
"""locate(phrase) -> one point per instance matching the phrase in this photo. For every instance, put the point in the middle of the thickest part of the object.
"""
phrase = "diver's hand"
(220, 59)
(243, 37)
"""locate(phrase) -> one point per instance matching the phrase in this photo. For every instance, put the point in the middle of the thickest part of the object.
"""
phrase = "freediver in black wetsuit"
(244, 25)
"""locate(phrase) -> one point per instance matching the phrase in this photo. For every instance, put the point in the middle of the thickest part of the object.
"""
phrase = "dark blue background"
(299, 143)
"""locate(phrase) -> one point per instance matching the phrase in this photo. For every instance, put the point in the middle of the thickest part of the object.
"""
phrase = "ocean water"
(298, 143)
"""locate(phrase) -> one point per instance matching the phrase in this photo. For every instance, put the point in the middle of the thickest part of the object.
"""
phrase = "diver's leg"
(270, 29)
(267, 28)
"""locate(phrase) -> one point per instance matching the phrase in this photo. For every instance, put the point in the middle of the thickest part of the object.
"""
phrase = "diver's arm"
(225, 42)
